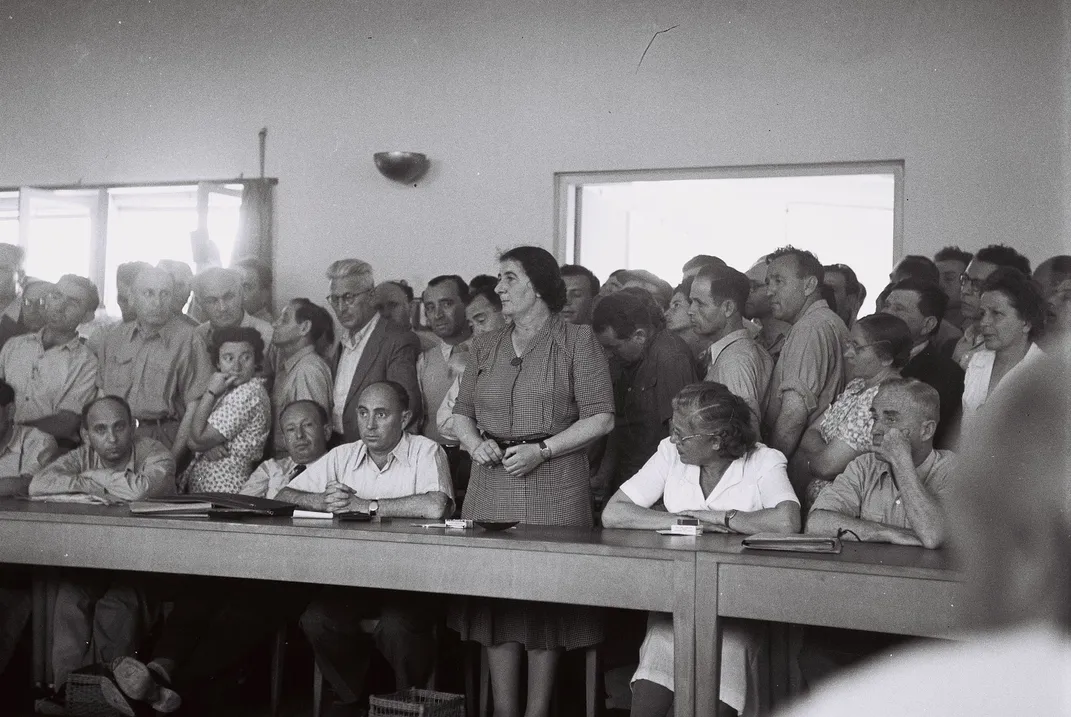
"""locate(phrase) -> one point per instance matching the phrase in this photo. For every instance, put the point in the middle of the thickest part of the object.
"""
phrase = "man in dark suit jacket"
(370, 349)
(921, 304)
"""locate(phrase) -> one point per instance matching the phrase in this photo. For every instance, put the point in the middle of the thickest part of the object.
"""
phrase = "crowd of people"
(752, 401)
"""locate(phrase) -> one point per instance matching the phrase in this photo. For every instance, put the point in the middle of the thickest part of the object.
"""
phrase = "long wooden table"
(699, 580)
(637, 570)
(876, 587)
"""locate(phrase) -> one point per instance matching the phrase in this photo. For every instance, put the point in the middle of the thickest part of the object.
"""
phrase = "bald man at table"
(894, 494)
(97, 615)
(388, 472)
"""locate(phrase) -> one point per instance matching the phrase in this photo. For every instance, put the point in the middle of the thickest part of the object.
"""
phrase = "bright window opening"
(90, 232)
(658, 220)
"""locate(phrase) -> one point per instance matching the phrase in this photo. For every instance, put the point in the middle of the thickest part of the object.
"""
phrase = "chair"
(367, 627)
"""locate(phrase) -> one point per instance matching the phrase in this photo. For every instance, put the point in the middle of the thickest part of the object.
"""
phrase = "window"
(91, 231)
(657, 220)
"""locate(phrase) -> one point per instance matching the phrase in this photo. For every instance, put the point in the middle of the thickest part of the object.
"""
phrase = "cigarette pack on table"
(693, 530)
(458, 523)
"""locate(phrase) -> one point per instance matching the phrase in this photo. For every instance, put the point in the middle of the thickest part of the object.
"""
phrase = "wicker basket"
(417, 703)
(84, 698)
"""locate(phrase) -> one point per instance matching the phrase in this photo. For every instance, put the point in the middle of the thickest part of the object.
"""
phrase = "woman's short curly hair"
(1023, 293)
(235, 335)
(709, 407)
(543, 271)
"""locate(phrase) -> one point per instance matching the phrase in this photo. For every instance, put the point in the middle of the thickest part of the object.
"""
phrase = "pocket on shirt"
(119, 374)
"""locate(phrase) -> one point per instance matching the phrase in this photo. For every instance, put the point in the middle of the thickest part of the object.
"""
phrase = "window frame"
(99, 237)
(568, 185)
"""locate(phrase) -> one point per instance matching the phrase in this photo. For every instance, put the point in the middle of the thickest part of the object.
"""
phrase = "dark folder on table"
(223, 504)
(793, 543)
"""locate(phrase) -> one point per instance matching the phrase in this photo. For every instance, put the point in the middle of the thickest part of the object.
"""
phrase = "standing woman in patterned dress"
(536, 393)
(232, 420)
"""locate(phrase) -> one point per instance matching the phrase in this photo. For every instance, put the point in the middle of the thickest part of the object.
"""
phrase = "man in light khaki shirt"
(52, 371)
(97, 615)
(897, 494)
(718, 296)
(155, 362)
(809, 372)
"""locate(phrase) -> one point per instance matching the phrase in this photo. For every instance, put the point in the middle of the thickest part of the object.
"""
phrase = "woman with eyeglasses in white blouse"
(710, 468)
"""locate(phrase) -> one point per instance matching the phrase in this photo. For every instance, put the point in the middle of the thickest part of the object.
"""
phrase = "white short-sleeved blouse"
(755, 481)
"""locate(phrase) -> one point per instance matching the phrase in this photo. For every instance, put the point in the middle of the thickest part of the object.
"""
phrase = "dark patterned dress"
(561, 377)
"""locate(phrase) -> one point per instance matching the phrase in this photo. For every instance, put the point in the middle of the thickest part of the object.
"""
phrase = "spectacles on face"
(347, 299)
(676, 436)
(969, 285)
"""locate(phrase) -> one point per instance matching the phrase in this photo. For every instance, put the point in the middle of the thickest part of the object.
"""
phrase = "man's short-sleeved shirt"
(417, 465)
(157, 372)
(62, 378)
(867, 489)
(756, 480)
(744, 367)
(27, 452)
(303, 376)
(811, 363)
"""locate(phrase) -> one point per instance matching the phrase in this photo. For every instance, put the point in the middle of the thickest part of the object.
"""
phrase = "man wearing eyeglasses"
(370, 349)
(896, 494)
(52, 370)
(984, 263)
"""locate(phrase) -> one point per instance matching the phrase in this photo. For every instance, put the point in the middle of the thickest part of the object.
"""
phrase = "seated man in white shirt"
(305, 430)
(388, 472)
(97, 616)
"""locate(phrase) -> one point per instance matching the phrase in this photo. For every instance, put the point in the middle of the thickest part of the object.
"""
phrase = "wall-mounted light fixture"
(402, 167)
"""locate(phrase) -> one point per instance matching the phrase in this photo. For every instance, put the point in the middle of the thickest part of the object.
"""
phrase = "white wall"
(503, 93)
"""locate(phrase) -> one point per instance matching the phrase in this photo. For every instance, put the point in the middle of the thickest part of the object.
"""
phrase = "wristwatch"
(544, 450)
(729, 515)
(373, 507)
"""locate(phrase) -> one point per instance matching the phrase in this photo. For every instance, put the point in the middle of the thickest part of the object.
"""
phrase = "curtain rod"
(119, 185)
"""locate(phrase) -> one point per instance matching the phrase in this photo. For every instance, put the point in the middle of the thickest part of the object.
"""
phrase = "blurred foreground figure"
(1012, 533)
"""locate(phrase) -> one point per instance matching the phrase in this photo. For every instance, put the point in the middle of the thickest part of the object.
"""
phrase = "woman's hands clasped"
(518, 461)
(521, 460)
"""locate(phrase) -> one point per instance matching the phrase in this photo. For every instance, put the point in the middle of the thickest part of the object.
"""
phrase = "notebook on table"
(214, 504)
(793, 543)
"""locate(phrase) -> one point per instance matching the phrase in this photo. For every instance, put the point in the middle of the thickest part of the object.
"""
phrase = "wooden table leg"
(684, 617)
(707, 638)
